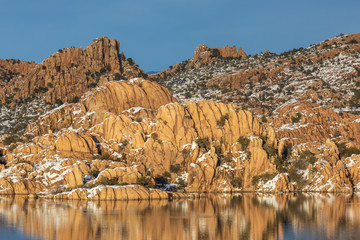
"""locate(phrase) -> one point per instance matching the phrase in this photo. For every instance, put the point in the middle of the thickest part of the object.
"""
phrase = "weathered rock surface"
(124, 134)
(68, 69)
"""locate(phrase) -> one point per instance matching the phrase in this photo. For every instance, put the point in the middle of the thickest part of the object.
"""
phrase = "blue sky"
(159, 33)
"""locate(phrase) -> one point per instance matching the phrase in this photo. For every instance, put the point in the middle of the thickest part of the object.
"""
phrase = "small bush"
(345, 152)
(154, 136)
(143, 181)
(106, 181)
(297, 178)
(203, 143)
(350, 151)
(117, 76)
(167, 174)
(244, 142)
(138, 119)
(175, 168)
(58, 102)
(185, 152)
(222, 120)
(262, 178)
(236, 182)
(218, 150)
(123, 144)
(12, 139)
(130, 61)
(181, 183)
(161, 180)
(270, 150)
(297, 118)
(353, 41)
(188, 95)
(227, 158)
(75, 100)
(94, 173)
(104, 156)
(49, 85)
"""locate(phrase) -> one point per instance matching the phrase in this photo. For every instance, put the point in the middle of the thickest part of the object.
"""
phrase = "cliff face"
(11, 69)
(58, 76)
(308, 95)
(139, 122)
(136, 132)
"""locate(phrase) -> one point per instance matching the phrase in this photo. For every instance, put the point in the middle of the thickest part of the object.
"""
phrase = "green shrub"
(222, 120)
(262, 178)
(161, 180)
(227, 158)
(130, 61)
(270, 150)
(94, 173)
(345, 152)
(308, 156)
(75, 100)
(185, 152)
(218, 150)
(58, 102)
(167, 174)
(117, 76)
(143, 181)
(12, 139)
(263, 119)
(236, 182)
(123, 144)
(297, 118)
(106, 181)
(154, 136)
(181, 183)
(244, 142)
(297, 178)
(104, 156)
(203, 143)
(175, 168)
(188, 94)
(352, 41)
(138, 119)
(350, 151)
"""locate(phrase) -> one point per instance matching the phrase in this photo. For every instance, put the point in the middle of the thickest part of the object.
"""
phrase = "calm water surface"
(243, 216)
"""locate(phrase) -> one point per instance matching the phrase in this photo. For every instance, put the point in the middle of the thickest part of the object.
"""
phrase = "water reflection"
(244, 216)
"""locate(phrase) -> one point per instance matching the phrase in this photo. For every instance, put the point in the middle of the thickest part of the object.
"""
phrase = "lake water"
(222, 216)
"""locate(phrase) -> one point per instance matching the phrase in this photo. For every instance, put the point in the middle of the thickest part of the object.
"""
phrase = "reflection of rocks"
(245, 216)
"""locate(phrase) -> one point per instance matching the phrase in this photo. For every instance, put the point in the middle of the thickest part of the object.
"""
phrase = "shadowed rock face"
(245, 216)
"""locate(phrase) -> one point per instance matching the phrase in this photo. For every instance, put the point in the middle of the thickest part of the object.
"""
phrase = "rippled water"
(243, 216)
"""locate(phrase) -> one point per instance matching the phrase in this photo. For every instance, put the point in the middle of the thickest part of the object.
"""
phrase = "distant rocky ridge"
(203, 55)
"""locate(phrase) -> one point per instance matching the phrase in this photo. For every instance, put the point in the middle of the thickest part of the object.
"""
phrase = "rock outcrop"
(203, 56)
(68, 69)
(123, 134)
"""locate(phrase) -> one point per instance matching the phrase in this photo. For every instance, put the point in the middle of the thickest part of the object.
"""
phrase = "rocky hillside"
(235, 123)
(135, 132)
(307, 95)
(61, 78)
